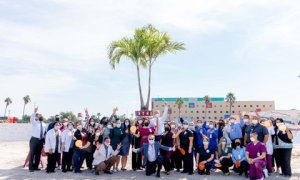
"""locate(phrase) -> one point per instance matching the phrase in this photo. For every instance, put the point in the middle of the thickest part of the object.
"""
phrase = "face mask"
(205, 143)
(57, 119)
(223, 143)
(185, 126)
(65, 123)
(140, 121)
(157, 115)
(151, 141)
(246, 120)
(252, 139)
(191, 127)
(199, 124)
(56, 127)
(254, 122)
(118, 125)
(146, 124)
(173, 126)
(109, 126)
(232, 121)
(92, 123)
(126, 123)
(167, 128)
(107, 144)
(79, 127)
(97, 134)
(70, 127)
(237, 143)
(40, 118)
(211, 126)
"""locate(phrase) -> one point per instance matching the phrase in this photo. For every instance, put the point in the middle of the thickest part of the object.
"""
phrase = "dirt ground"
(13, 154)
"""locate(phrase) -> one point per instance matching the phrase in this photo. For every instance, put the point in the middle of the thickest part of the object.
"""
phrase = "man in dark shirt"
(262, 131)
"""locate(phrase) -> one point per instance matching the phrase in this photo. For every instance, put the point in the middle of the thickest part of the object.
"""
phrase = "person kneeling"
(151, 157)
(205, 156)
(105, 157)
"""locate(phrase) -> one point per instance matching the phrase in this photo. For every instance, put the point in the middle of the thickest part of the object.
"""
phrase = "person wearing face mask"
(167, 139)
(105, 157)
(212, 134)
(90, 150)
(51, 125)
(200, 132)
(158, 121)
(261, 130)
(80, 152)
(239, 158)
(246, 124)
(256, 156)
(186, 139)
(126, 139)
(144, 132)
(283, 145)
(151, 155)
(116, 135)
(52, 147)
(221, 126)
(66, 147)
(64, 126)
(136, 159)
(205, 155)
(36, 141)
(235, 130)
(224, 156)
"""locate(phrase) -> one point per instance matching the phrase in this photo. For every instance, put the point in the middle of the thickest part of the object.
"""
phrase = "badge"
(239, 156)
(210, 136)
(150, 130)
(207, 151)
(226, 150)
(258, 154)
(184, 133)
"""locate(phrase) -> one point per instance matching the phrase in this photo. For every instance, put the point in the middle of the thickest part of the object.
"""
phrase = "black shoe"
(183, 171)
(240, 173)
(158, 175)
(37, 169)
(167, 173)
(190, 173)
(134, 169)
(108, 172)
(139, 168)
(31, 170)
(178, 170)
(97, 173)
(207, 173)
(64, 171)
(201, 173)
(246, 175)
(48, 172)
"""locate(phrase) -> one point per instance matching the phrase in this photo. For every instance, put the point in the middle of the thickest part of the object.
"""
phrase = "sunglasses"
(151, 139)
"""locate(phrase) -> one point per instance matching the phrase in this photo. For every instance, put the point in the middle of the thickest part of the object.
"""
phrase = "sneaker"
(266, 173)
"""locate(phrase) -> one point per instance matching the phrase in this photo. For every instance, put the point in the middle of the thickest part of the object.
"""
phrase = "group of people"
(249, 145)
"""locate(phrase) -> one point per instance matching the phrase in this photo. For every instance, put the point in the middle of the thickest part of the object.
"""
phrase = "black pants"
(188, 163)
(52, 159)
(244, 167)
(226, 163)
(286, 161)
(36, 146)
(176, 160)
(136, 161)
(277, 157)
(158, 138)
(89, 160)
(167, 160)
(151, 167)
(67, 160)
(207, 168)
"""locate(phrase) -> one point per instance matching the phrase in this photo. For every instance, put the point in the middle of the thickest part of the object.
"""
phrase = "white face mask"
(65, 123)
(246, 120)
(126, 123)
(173, 126)
(109, 126)
(70, 127)
(56, 127)
(92, 123)
(231, 121)
(79, 127)
(205, 143)
(211, 126)
(157, 115)
(98, 134)
(252, 139)
(118, 125)
(223, 143)
(107, 144)
(199, 124)
(185, 126)
(140, 121)
(254, 121)
(151, 141)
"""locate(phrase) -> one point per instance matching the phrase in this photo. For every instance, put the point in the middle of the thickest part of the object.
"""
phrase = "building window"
(197, 117)
(156, 106)
(221, 111)
(203, 106)
(227, 112)
(245, 105)
(270, 105)
(232, 112)
(197, 111)
(239, 105)
(215, 117)
(232, 106)
(209, 117)
(215, 106)
(185, 106)
(174, 112)
(203, 117)
(220, 105)
(162, 105)
(174, 106)
(264, 105)
(215, 111)
(203, 111)
(257, 105)
(208, 111)
(192, 111)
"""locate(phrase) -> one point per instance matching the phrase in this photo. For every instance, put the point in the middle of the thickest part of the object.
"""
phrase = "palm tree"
(130, 48)
(230, 98)
(207, 101)
(8, 101)
(179, 103)
(157, 44)
(26, 101)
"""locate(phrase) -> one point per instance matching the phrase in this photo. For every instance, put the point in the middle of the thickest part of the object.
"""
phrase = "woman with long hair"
(224, 156)
(126, 139)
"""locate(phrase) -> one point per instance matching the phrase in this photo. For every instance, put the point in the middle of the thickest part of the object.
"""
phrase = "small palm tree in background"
(26, 100)
(230, 98)
(7, 101)
(207, 101)
(179, 102)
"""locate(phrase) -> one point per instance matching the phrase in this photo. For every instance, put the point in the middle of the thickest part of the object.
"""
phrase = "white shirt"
(161, 120)
(36, 126)
(50, 141)
(269, 144)
(100, 154)
(66, 138)
(151, 153)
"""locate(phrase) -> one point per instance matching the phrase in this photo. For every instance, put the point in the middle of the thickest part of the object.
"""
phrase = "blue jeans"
(78, 158)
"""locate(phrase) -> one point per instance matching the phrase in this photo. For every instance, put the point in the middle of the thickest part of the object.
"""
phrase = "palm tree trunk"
(230, 109)
(149, 87)
(5, 110)
(23, 110)
(140, 88)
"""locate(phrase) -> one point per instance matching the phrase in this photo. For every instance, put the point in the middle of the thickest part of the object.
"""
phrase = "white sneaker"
(266, 173)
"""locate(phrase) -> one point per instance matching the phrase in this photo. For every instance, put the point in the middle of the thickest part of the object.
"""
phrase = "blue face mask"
(205, 143)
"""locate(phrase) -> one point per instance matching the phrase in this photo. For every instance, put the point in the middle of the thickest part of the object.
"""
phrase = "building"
(194, 108)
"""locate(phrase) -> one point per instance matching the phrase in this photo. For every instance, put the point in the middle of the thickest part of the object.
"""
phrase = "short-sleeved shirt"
(256, 150)
(259, 129)
(226, 151)
(184, 138)
(205, 154)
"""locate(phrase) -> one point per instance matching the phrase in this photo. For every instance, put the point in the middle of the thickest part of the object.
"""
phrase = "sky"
(56, 52)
